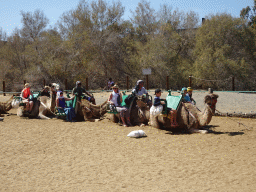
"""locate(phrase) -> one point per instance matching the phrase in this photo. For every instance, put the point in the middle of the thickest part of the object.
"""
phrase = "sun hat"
(115, 86)
(78, 82)
(140, 81)
(189, 89)
(184, 89)
(26, 85)
(158, 91)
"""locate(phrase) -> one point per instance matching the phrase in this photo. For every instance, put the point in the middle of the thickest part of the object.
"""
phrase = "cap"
(158, 91)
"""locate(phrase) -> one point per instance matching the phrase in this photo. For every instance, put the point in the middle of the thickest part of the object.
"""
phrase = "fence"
(126, 82)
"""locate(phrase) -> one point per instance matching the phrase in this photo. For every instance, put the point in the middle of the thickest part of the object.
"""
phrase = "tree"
(249, 13)
(221, 50)
(33, 24)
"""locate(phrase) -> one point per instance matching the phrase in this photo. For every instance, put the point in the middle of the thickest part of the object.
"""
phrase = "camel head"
(211, 101)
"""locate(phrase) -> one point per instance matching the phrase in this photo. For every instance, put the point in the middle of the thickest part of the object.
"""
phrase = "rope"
(239, 123)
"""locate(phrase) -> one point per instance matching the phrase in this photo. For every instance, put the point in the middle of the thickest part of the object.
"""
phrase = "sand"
(53, 155)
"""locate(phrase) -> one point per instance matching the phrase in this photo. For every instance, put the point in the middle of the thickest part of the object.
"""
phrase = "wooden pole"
(44, 82)
(24, 82)
(127, 82)
(190, 81)
(4, 88)
(167, 83)
(233, 83)
(66, 85)
(147, 81)
(86, 83)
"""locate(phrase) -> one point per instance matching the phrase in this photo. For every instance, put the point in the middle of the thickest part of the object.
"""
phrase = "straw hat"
(115, 86)
(26, 85)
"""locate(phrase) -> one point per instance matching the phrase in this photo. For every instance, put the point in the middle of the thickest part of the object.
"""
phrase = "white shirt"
(141, 92)
(114, 98)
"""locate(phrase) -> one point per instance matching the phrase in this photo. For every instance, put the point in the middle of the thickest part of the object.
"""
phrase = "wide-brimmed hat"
(78, 82)
(184, 89)
(140, 81)
(158, 91)
(189, 89)
(115, 86)
(26, 85)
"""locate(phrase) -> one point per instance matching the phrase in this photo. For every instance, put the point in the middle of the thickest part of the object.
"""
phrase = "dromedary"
(139, 112)
(189, 116)
(89, 111)
(44, 106)
(4, 107)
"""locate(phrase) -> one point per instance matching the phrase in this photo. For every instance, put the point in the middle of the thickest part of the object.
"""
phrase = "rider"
(115, 98)
(79, 91)
(61, 104)
(45, 91)
(186, 98)
(26, 97)
(189, 89)
(140, 89)
(172, 112)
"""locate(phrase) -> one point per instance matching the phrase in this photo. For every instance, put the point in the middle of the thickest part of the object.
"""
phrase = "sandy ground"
(53, 155)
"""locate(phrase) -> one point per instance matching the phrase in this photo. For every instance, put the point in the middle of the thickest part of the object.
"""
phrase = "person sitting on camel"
(115, 98)
(45, 91)
(79, 91)
(27, 97)
(189, 94)
(139, 90)
(61, 104)
(185, 97)
(157, 108)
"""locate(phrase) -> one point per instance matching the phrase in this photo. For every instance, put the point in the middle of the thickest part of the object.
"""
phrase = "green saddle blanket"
(173, 101)
(72, 103)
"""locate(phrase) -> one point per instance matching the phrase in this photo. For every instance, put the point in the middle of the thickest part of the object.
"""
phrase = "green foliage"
(93, 41)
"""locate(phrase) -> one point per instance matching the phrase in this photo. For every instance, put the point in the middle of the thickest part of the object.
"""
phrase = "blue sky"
(10, 16)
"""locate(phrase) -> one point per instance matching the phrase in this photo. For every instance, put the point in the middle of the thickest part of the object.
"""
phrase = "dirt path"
(52, 155)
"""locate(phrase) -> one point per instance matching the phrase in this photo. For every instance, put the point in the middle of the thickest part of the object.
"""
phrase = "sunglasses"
(115, 88)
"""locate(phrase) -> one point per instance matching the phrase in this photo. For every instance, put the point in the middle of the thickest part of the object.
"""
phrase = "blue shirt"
(157, 101)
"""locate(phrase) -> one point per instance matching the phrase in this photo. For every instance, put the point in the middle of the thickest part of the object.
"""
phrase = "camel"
(139, 112)
(4, 107)
(89, 111)
(44, 106)
(189, 117)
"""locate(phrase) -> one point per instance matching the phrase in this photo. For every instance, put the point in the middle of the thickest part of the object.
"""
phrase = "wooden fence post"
(66, 85)
(190, 81)
(86, 83)
(167, 83)
(3, 88)
(147, 81)
(127, 82)
(233, 83)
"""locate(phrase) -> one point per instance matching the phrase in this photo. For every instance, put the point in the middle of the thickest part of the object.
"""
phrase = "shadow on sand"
(209, 128)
